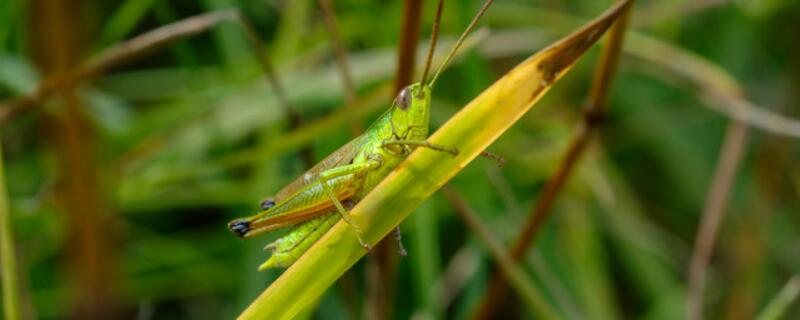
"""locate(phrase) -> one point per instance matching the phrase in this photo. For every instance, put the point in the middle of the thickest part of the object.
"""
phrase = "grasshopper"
(314, 202)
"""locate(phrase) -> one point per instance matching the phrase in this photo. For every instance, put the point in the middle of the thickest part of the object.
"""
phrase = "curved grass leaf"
(471, 130)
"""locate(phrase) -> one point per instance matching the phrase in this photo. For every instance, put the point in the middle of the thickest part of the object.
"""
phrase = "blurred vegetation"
(119, 190)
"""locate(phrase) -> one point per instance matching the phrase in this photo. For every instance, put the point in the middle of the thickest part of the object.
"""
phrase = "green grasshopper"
(310, 203)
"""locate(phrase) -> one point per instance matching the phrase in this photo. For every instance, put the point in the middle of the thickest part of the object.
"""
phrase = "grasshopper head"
(411, 112)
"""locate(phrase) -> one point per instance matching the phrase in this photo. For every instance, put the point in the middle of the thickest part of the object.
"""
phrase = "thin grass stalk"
(273, 80)
(11, 301)
(139, 46)
(777, 307)
(339, 52)
(471, 130)
(593, 115)
(90, 260)
(747, 242)
(733, 147)
(518, 278)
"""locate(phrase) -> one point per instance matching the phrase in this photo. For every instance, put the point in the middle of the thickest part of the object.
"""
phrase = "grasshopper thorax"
(410, 112)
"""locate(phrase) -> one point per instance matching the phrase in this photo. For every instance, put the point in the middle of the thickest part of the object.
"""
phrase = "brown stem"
(58, 45)
(407, 48)
(593, 115)
(138, 47)
(732, 149)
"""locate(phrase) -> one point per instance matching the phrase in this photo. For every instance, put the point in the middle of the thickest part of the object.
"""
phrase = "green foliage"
(192, 136)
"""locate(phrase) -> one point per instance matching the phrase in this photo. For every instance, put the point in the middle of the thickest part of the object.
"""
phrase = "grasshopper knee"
(240, 227)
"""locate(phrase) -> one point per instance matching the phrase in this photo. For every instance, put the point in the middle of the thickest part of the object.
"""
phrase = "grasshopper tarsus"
(454, 152)
(425, 144)
(361, 241)
(501, 162)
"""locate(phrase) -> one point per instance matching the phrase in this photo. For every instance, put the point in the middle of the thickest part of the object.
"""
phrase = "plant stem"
(407, 48)
(519, 280)
(340, 53)
(719, 192)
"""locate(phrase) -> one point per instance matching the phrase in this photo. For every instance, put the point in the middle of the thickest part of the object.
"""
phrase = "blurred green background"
(120, 188)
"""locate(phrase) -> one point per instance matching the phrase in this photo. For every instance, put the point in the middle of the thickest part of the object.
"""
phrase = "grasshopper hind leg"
(352, 169)
(240, 227)
(291, 246)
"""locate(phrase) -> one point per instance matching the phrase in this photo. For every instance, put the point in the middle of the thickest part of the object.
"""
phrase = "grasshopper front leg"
(419, 143)
(415, 143)
(353, 169)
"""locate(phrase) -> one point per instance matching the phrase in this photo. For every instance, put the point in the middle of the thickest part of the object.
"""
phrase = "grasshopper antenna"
(432, 45)
(460, 40)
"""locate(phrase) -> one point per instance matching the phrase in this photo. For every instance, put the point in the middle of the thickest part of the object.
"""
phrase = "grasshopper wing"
(342, 156)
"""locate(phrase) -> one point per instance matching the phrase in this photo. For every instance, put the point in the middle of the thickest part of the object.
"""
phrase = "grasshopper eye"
(403, 99)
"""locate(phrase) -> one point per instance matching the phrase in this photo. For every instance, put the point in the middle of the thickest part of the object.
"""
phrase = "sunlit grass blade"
(473, 129)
